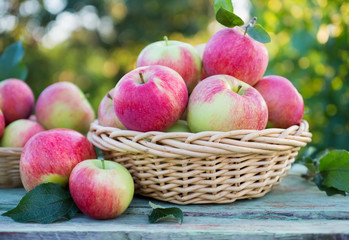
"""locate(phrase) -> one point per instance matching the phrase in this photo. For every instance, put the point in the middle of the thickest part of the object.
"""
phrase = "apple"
(285, 104)
(2, 123)
(181, 57)
(63, 105)
(101, 189)
(51, 155)
(33, 118)
(179, 126)
(16, 100)
(230, 51)
(200, 49)
(106, 113)
(150, 98)
(17, 133)
(224, 103)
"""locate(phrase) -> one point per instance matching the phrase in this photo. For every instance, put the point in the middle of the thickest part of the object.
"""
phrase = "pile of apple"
(217, 86)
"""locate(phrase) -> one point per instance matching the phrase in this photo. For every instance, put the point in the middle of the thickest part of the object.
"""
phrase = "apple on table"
(51, 155)
(101, 189)
(224, 103)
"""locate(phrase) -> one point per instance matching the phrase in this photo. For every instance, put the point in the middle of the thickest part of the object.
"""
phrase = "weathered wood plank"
(294, 209)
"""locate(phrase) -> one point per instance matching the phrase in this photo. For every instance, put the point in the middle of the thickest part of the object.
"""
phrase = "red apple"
(2, 123)
(150, 98)
(101, 189)
(106, 113)
(63, 105)
(51, 155)
(230, 51)
(181, 57)
(285, 104)
(224, 103)
(17, 133)
(16, 100)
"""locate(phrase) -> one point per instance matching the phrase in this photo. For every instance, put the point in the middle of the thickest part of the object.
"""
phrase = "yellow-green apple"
(181, 57)
(201, 48)
(224, 103)
(231, 51)
(51, 155)
(63, 105)
(285, 103)
(2, 123)
(179, 126)
(17, 133)
(150, 98)
(106, 113)
(16, 100)
(101, 189)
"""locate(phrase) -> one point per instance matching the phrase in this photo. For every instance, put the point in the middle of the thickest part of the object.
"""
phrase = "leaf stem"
(250, 24)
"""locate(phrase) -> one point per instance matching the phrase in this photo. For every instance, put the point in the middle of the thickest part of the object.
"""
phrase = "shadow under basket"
(205, 167)
(9, 167)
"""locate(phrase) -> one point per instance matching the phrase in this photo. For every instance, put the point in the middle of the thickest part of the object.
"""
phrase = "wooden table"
(294, 209)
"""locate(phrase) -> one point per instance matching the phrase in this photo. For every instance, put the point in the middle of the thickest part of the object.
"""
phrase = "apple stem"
(250, 24)
(239, 88)
(166, 40)
(109, 96)
(103, 165)
(142, 78)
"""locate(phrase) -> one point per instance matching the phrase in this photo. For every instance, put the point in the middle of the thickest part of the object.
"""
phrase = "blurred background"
(93, 43)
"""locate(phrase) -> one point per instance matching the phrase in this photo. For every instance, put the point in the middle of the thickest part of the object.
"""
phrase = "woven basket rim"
(202, 144)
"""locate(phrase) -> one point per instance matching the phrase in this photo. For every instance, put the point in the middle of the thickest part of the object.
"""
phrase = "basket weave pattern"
(205, 167)
(9, 167)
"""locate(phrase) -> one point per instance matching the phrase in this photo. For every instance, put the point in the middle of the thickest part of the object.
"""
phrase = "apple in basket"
(106, 113)
(181, 57)
(201, 48)
(63, 105)
(101, 189)
(2, 123)
(285, 104)
(150, 98)
(17, 133)
(224, 103)
(16, 100)
(50, 156)
(230, 51)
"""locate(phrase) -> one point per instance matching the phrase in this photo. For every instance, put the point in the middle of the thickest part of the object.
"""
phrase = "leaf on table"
(258, 33)
(46, 203)
(334, 168)
(330, 191)
(11, 65)
(160, 214)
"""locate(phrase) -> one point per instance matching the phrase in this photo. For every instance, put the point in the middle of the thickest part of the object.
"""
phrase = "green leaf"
(228, 18)
(46, 203)
(226, 4)
(318, 179)
(258, 33)
(334, 168)
(165, 214)
(11, 65)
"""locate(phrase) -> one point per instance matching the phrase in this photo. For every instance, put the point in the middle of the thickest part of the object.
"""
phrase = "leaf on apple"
(226, 4)
(46, 203)
(227, 18)
(258, 33)
(11, 65)
(160, 214)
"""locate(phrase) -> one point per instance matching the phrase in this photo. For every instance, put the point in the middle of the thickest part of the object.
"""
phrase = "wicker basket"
(9, 167)
(206, 167)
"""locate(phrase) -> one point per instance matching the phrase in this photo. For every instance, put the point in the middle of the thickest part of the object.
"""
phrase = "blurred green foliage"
(97, 41)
